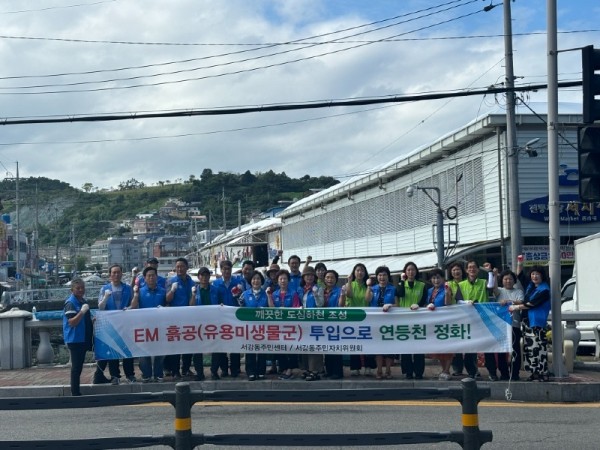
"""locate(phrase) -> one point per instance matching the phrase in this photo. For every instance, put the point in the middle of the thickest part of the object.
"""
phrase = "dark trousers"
(256, 364)
(359, 361)
(467, 361)
(220, 361)
(77, 352)
(496, 361)
(334, 365)
(286, 362)
(515, 358)
(412, 365)
(113, 367)
(197, 359)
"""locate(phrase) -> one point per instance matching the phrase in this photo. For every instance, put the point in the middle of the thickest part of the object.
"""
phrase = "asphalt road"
(514, 425)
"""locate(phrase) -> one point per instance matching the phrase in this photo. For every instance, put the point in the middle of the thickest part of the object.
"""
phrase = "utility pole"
(239, 214)
(511, 141)
(224, 217)
(558, 366)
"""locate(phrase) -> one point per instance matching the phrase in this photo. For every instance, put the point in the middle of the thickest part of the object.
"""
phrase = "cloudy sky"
(68, 58)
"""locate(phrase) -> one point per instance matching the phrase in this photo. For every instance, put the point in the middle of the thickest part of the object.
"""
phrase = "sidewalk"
(583, 385)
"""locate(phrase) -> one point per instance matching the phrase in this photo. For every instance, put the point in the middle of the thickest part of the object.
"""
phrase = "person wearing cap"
(311, 297)
(139, 279)
(271, 277)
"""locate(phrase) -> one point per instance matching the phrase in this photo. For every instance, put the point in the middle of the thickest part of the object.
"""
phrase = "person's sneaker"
(200, 377)
(167, 373)
(176, 376)
(445, 376)
(261, 377)
(368, 372)
(493, 378)
(146, 380)
(251, 378)
(188, 373)
(159, 379)
(132, 379)
(114, 381)
(214, 376)
(355, 373)
(100, 380)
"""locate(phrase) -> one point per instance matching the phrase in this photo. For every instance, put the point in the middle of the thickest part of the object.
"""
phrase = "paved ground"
(581, 385)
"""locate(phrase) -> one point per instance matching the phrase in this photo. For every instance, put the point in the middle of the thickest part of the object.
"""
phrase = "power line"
(288, 107)
(227, 64)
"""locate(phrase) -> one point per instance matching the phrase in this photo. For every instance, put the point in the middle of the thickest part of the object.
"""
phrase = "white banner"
(484, 327)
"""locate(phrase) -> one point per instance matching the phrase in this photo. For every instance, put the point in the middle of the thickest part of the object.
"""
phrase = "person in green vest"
(412, 293)
(472, 289)
(356, 297)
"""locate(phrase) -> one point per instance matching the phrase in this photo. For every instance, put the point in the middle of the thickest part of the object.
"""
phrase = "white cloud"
(331, 146)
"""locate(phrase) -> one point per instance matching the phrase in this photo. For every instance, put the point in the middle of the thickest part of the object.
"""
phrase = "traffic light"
(590, 62)
(588, 148)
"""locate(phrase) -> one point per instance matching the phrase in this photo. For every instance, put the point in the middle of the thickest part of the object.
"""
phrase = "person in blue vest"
(203, 294)
(255, 297)
(151, 295)
(295, 274)
(140, 279)
(179, 291)
(333, 298)
(382, 294)
(77, 331)
(229, 290)
(115, 296)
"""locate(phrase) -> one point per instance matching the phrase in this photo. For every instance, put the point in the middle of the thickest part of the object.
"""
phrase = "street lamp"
(410, 191)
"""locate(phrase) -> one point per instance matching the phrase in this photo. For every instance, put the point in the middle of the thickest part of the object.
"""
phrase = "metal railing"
(183, 398)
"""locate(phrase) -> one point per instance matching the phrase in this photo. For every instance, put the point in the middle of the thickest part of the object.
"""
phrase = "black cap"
(203, 271)
(152, 261)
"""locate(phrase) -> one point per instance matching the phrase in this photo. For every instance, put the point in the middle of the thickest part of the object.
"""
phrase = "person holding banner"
(382, 295)
(472, 289)
(333, 298)
(535, 312)
(115, 296)
(150, 295)
(255, 297)
(510, 294)
(202, 295)
(229, 290)
(412, 293)
(311, 297)
(284, 297)
(439, 295)
(179, 291)
(356, 297)
(77, 331)
(457, 274)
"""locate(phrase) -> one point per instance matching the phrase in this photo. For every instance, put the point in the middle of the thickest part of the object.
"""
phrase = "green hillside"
(57, 207)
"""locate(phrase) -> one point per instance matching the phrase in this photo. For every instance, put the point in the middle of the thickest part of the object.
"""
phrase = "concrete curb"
(548, 392)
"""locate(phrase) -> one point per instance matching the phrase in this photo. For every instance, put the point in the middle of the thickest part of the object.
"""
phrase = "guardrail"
(572, 334)
(183, 398)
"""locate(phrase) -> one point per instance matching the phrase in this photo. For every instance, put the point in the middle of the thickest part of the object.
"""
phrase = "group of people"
(314, 287)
